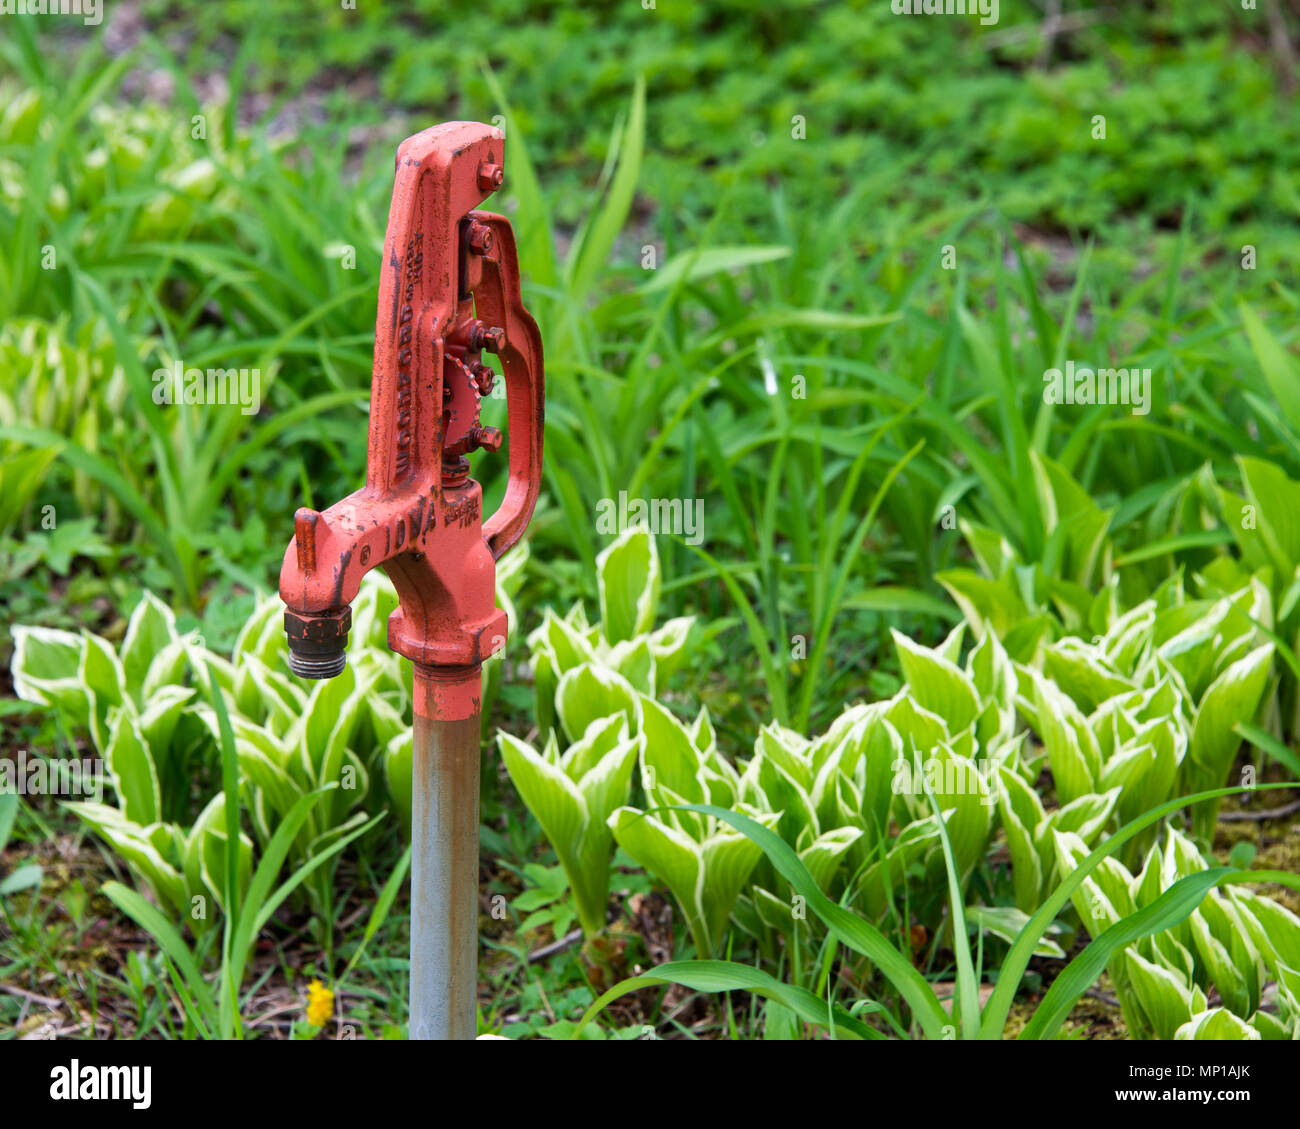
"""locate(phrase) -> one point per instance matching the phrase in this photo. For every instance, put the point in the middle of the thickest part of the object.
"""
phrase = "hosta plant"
(703, 862)
(572, 795)
(1152, 705)
(583, 671)
(1229, 947)
(141, 708)
(916, 1007)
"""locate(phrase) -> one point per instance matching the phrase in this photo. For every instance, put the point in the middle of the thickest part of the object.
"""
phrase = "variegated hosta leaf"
(1081, 671)
(825, 792)
(375, 602)
(263, 694)
(1021, 813)
(568, 645)
(721, 788)
(546, 681)
(1192, 649)
(1227, 955)
(704, 876)
(1288, 995)
(627, 579)
(1007, 922)
(1128, 639)
(937, 683)
(159, 718)
(1271, 1027)
(771, 911)
(781, 792)
(151, 628)
(1087, 816)
(991, 606)
(670, 643)
(603, 787)
(589, 692)
(670, 758)
(310, 735)
(728, 859)
(42, 655)
(881, 747)
(131, 767)
(204, 858)
(788, 750)
(169, 667)
(588, 750)
(573, 802)
(134, 845)
(822, 856)
(674, 858)
(992, 672)
(704, 735)
(1106, 895)
(1165, 950)
(1233, 698)
(334, 709)
(963, 796)
(634, 660)
(266, 772)
(101, 674)
(386, 721)
(920, 730)
(1274, 929)
(950, 647)
(1072, 750)
(882, 877)
(399, 773)
(1167, 1000)
(1069, 511)
(1217, 1024)
(262, 634)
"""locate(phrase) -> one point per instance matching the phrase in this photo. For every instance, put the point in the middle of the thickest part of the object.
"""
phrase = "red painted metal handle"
(498, 302)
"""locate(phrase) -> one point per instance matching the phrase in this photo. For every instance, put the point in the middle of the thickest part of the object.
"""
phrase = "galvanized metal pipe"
(444, 877)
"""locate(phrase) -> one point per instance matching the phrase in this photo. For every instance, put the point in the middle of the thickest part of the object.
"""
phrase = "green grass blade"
(150, 918)
(967, 994)
(730, 976)
(383, 904)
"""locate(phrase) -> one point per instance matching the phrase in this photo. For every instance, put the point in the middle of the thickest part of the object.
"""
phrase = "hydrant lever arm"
(500, 304)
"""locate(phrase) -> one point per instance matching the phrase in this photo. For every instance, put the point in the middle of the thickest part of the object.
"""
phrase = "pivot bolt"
(490, 176)
(479, 238)
(488, 339)
(488, 438)
(484, 378)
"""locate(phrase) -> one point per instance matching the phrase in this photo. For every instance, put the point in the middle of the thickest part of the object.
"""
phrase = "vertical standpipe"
(444, 861)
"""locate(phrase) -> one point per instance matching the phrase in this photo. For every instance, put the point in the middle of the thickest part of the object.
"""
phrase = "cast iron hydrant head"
(448, 292)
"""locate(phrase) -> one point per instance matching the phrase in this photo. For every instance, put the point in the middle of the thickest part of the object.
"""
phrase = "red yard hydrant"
(448, 292)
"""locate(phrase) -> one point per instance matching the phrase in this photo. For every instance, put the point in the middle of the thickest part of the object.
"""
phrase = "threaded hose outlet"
(317, 666)
(318, 643)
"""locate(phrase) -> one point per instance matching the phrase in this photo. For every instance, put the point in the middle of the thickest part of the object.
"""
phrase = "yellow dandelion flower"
(320, 1004)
